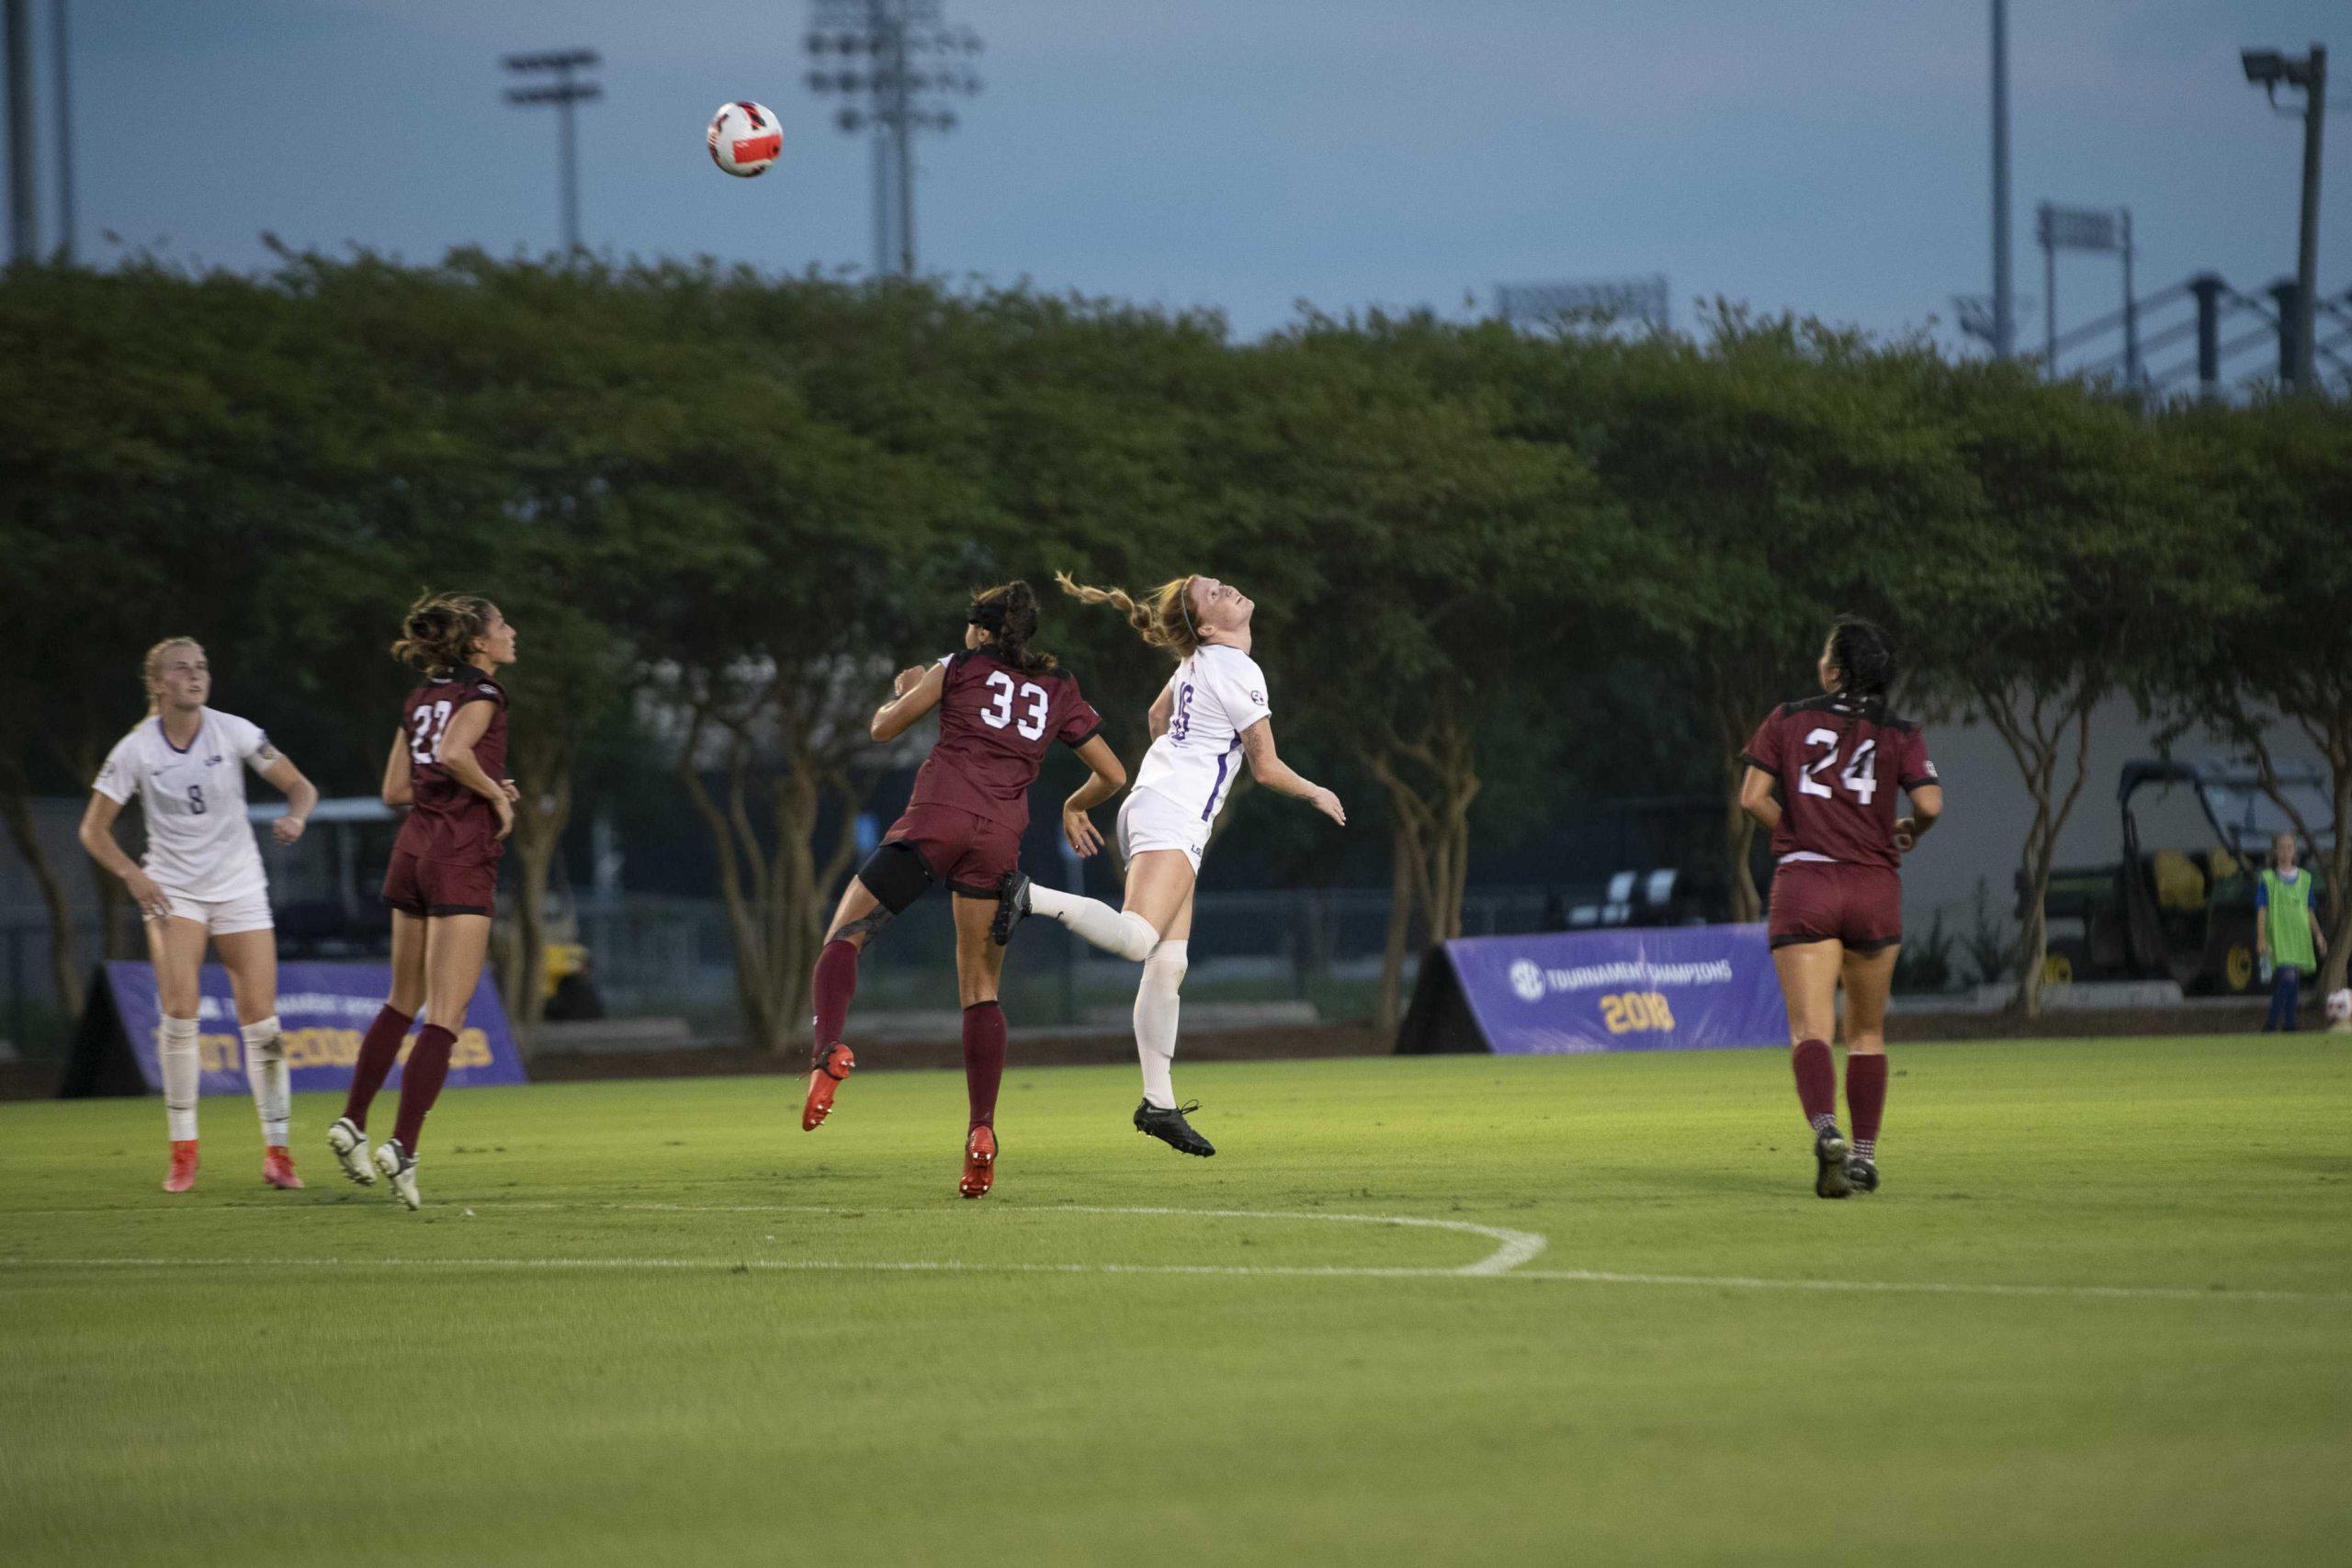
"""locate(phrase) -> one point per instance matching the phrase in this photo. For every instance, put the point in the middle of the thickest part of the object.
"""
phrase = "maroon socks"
(983, 1059)
(1866, 1097)
(379, 1049)
(834, 984)
(421, 1080)
(1816, 1082)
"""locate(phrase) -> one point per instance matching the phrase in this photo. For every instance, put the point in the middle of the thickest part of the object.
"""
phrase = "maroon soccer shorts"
(964, 850)
(1859, 906)
(416, 886)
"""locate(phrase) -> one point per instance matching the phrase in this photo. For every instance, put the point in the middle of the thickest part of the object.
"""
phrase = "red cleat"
(277, 1167)
(979, 1162)
(182, 1176)
(822, 1081)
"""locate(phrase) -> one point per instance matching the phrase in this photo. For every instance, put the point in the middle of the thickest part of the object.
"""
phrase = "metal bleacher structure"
(2203, 338)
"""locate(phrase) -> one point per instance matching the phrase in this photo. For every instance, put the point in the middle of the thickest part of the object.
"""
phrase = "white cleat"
(400, 1166)
(350, 1146)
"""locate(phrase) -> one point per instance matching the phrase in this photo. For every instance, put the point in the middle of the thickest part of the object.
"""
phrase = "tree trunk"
(1388, 1009)
(2340, 858)
(65, 963)
(1429, 845)
(743, 904)
(1739, 834)
(1733, 712)
(541, 819)
(798, 920)
(2035, 740)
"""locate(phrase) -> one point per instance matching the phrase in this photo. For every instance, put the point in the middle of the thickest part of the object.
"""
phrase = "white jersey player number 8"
(998, 715)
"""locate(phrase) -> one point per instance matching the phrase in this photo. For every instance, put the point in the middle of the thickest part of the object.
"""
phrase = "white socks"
(176, 1045)
(1156, 1007)
(272, 1083)
(1124, 932)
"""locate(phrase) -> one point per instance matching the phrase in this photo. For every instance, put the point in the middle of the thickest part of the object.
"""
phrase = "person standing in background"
(2286, 937)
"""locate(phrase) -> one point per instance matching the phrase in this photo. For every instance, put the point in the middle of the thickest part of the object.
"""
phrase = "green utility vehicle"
(2184, 913)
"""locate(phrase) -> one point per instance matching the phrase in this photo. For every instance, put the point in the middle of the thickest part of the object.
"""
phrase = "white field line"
(1515, 1247)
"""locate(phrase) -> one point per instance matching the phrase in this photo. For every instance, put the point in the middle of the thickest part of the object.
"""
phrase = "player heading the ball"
(447, 766)
(1002, 706)
(1212, 714)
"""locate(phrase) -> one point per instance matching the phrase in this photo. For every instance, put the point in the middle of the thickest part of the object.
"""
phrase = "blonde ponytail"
(1163, 617)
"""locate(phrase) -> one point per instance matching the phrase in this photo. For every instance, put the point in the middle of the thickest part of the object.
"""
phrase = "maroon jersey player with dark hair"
(1002, 706)
(1822, 774)
(447, 766)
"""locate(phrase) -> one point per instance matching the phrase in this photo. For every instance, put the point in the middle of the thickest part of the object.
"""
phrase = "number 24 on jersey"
(1859, 775)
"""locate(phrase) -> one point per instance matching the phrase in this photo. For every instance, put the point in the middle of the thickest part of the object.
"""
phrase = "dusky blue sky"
(1828, 156)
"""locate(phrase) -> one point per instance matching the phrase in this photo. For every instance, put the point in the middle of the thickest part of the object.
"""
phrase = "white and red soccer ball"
(744, 138)
(2339, 1009)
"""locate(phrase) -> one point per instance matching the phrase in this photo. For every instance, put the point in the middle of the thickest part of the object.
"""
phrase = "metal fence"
(652, 956)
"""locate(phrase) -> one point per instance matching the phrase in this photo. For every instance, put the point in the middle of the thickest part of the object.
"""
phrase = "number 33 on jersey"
(1842, 764)
(996, 724)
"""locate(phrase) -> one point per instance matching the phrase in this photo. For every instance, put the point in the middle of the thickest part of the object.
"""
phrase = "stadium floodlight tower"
(2270, 70)
(2098, 229)
(567, 90)
(898, 61)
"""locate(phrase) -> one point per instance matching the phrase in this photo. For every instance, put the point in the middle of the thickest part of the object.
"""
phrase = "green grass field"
(2102, 1312)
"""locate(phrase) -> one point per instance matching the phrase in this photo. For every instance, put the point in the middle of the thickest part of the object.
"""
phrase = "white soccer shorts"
(1151, 820)
(224, 917)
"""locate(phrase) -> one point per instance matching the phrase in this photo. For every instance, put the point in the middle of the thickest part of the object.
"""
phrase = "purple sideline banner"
(323, 1009)
(1644, 988)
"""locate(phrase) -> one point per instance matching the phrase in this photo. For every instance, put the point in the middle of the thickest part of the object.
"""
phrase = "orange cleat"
(822, 1081)
(979, 1162)
(277, 1167)
(182, 1176)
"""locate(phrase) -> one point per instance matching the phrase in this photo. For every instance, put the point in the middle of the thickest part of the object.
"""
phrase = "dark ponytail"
(1864, 656)
(438, 632)
(1008, 612)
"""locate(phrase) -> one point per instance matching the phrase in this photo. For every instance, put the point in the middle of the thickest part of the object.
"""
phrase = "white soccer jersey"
(1220, 693)
(199, 844)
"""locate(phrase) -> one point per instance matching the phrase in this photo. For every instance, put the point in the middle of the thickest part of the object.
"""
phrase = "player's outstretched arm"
(1110, 776)
(301, 798)
(914, 693)
(1269, 769)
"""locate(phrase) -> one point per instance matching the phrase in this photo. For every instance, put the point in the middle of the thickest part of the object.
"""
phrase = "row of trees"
(720, 504)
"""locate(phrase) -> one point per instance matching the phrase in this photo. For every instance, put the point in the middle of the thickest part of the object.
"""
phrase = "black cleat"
(1171, 1128)
(1829, 1150)
(1861, 1174)
(1012, 906)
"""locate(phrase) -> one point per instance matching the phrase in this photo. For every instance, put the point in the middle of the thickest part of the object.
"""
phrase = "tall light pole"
(566, 92)
(2005, 320)
(2268, 68)
(24, 217)
(65, 132)
(893, 89)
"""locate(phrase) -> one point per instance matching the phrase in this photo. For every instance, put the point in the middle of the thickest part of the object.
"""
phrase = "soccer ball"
(744, 138)
(2339, 1010)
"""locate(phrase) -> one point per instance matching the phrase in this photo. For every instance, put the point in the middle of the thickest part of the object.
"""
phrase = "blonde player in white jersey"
(202, 879)
(1209, 719)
